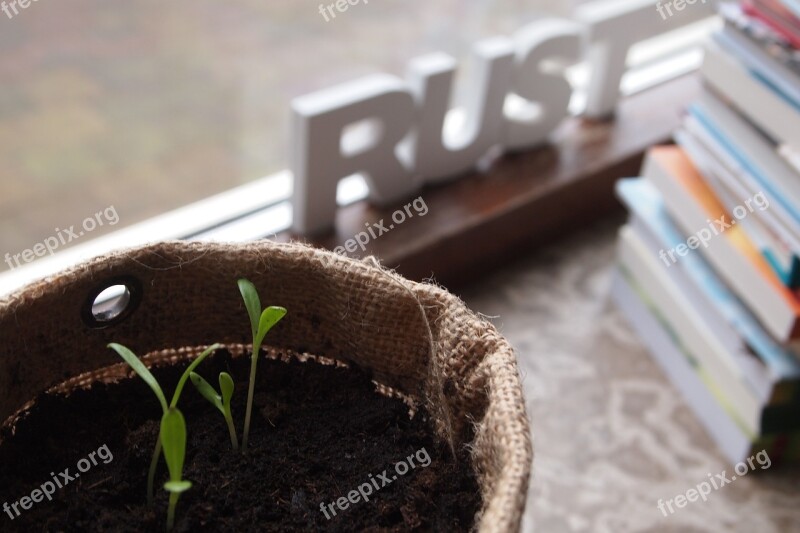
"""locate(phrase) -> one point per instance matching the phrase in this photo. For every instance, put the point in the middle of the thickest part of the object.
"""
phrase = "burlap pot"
(184, 295)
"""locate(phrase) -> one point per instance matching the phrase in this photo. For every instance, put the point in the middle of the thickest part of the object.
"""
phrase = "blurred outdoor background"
(148, 106)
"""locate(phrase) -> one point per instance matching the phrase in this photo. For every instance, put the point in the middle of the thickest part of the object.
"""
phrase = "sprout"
(143, 372)
(173, 438)
(260, 322)
(221, 401)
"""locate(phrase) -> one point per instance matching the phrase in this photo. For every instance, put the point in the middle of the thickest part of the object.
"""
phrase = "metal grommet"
(111, 302)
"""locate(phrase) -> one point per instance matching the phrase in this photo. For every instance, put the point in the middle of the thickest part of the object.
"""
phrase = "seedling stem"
(260, 323)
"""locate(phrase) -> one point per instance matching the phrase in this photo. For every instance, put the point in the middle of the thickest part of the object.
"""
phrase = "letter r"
(318, 160)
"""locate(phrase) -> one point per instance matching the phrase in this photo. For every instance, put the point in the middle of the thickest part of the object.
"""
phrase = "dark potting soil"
(318, 433)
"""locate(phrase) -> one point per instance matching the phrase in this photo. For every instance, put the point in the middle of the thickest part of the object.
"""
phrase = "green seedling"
(221, 401)
(143, 372)
(173, 439)
(260, 322)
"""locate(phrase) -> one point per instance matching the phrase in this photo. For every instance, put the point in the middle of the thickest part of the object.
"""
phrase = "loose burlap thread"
(415, 338)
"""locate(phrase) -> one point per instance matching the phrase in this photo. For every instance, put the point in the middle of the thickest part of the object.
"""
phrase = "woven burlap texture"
(456, 363)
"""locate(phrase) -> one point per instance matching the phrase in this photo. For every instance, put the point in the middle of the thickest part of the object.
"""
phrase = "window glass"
(122, 110)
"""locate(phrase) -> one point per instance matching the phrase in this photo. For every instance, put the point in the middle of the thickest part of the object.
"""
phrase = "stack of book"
(709, 262)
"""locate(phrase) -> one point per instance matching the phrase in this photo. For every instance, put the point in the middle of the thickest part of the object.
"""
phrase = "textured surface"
(612, 436)
(317, 433)
(454, 361)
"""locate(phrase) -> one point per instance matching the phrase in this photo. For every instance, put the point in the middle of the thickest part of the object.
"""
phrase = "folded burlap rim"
(414, 338)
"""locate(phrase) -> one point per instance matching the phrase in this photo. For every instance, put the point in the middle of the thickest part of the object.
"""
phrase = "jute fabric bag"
(416, 339)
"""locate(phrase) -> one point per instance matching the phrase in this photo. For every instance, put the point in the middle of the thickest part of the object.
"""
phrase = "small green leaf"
(271, 316)
(179, 389)
(177, 486)
(207, 391)
(251, 302)
(173, 440)
(141, 371)
(226, 388)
